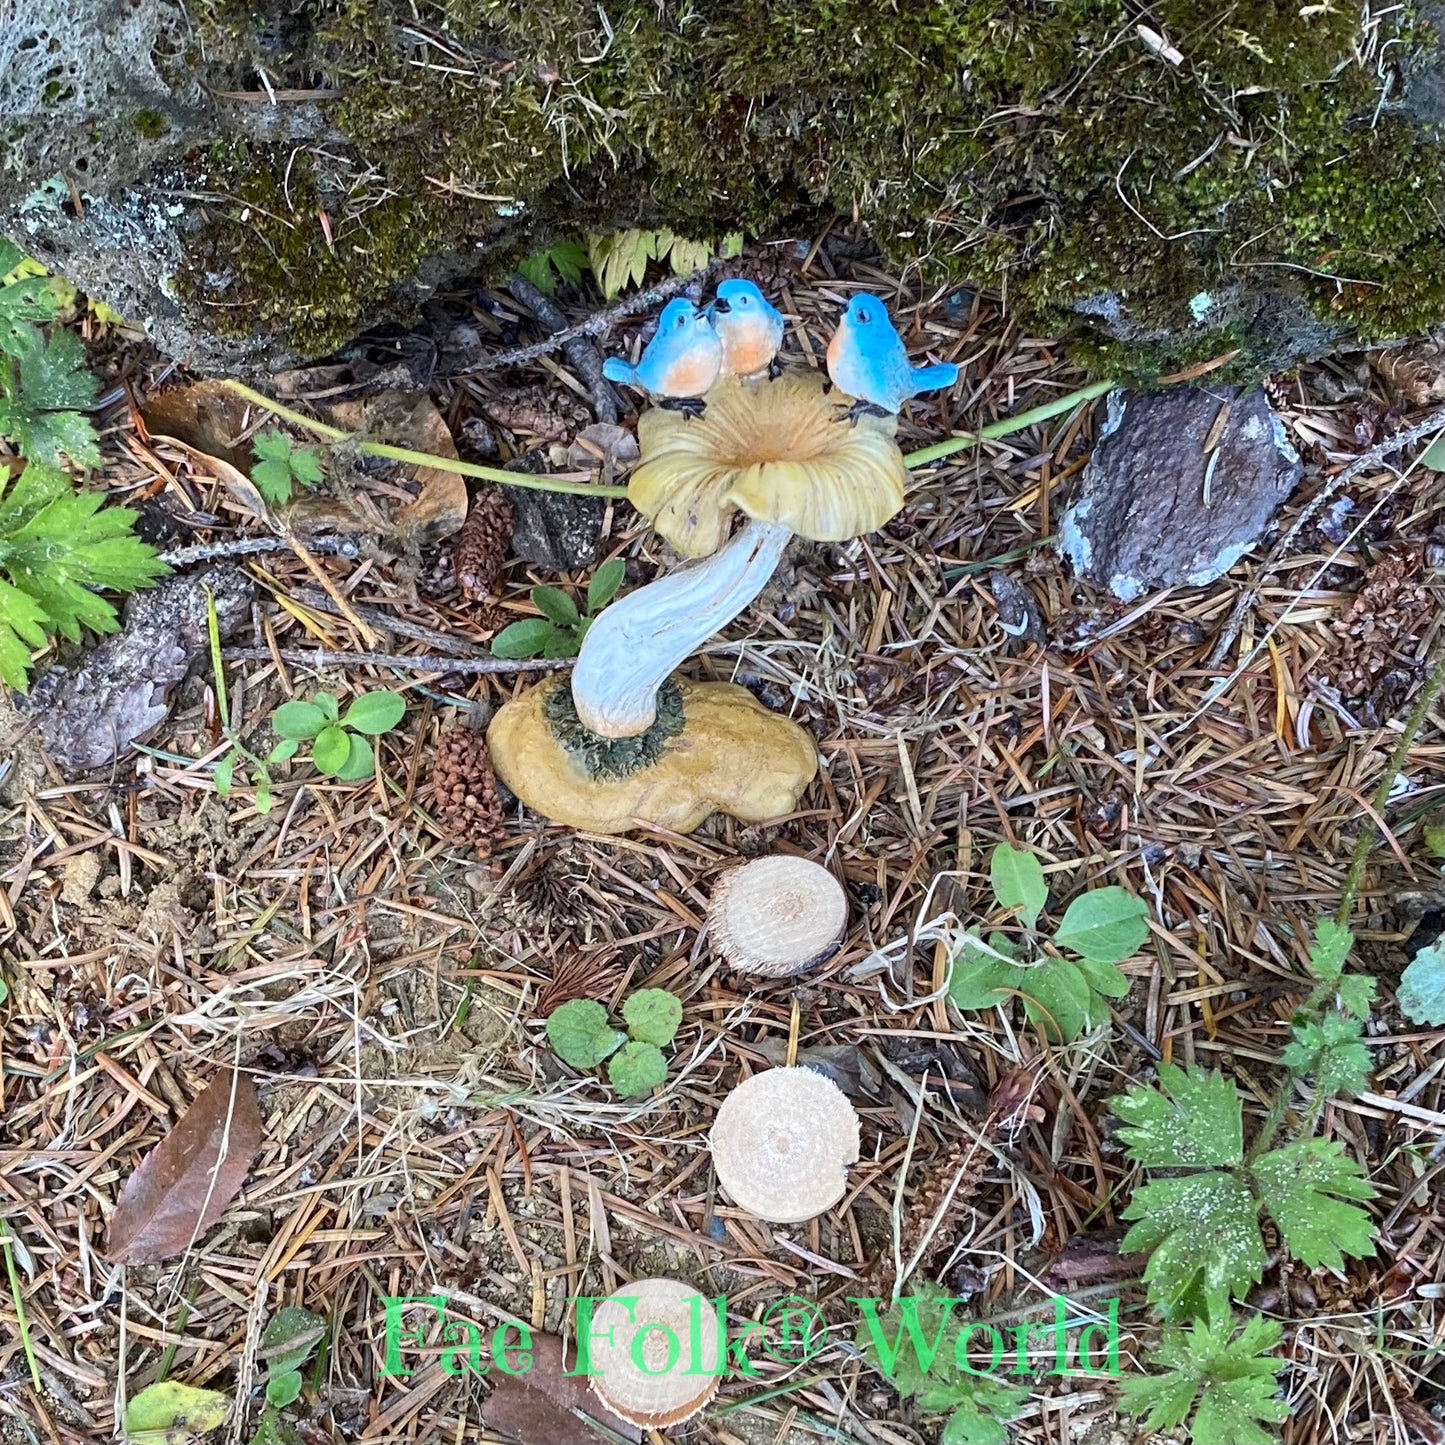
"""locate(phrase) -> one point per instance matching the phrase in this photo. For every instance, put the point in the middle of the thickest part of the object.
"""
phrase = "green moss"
(150, 123)
(613, 757)
(1036, 144)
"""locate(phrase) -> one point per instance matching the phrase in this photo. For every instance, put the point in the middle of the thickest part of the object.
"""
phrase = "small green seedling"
(559, 631)
(1201, 1229)
(1422, 987)
(920, 1346)
(581, 1035)
(286, 1344)
(280, 464)
(1061, 996)
(565, 261)
(1224, 1380)
(340, 746)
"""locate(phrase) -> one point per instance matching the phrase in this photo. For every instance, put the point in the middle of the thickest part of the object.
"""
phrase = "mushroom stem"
(634, 645)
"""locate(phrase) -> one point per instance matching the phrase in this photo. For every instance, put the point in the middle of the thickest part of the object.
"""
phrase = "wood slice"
(777, 916)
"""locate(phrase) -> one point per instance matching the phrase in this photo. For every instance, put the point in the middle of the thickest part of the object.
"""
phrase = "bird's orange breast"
(747, 345)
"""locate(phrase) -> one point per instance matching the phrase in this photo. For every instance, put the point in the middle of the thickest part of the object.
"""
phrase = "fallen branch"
(423, 459)
(419, 662)
(596, 324)
(1435, 422)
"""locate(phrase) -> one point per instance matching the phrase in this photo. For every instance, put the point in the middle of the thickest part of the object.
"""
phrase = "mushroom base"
(732, 756)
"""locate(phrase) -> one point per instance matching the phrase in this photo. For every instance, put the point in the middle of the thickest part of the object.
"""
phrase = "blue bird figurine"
(751, 331)
(867, 360)
(679, 364)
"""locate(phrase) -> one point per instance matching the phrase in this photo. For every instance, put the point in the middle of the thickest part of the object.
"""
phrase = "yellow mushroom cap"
(654, 1352)
(782, 1142)
(775, 450)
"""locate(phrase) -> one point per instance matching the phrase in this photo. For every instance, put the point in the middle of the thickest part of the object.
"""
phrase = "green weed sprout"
(582, 1035)
(559, 631)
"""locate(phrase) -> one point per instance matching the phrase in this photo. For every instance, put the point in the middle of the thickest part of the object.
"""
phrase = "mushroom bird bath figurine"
(624, 742)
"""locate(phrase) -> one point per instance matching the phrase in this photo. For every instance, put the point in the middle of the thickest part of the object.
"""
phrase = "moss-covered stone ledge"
(1264, 176)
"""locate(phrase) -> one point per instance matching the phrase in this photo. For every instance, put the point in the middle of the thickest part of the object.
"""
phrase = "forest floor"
(385, 988)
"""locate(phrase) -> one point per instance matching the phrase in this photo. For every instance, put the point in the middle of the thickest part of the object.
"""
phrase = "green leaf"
(653, 1016)
(283, 751)
(1299, 1182)
(360, 761)
(1433, 457)
(620, 258)
(1056, 998)
(556, 606)
(326, 701)
(374, 713)
(526, 638)
(331, 750)
(636, 1069)
(263, 798)
(297, 720)
(1330, 949)
(1018, 882)
(1228, 1380)
(1194, 1122)
(1204, 1236)
(280, 464)
(1434, 834)
(580, 1034)
(224, 774)
(170, 1413)
(283, 1390)
(604, 584)
(1106, 924)
(1105, 978)
(562, 643)
(42, 393)
(980, 977)
(273, 481)
(57, 545)
(967, 1426)
(1331, 1052)
(1421, 994)
(1355, 991)
(289, 1338)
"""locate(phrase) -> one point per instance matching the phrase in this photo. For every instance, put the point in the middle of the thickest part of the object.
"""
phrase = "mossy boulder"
(268, 177)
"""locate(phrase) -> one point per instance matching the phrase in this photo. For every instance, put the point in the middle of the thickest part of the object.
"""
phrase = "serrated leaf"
(1231, 1378)
(620, 258)
(604, 584)
(273, 481)
(374, 713)
(1355, 992)
(556, 606)
(967, 1425)
(1018, 882)
(562, 642)
(1204, 1236)
(526, 638)
(1106, 924)
(360, 761)
(1421, 994)
(1193, 1119)
(297, 720)
(1331, 1052)
(1056, 999)
(537, 269)
(331, 749)
(1330, 949)
(580, 1034)
(1299, 1183)
(636, 1069)
(170, 1413)
(48, 436)
(653, 1016)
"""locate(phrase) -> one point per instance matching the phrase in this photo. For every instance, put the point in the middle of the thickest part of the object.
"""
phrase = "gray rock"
(556, 531)
(1144, 516)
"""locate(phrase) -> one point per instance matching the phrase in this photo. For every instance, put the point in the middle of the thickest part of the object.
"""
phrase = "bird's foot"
(861, 408)
(687, 405)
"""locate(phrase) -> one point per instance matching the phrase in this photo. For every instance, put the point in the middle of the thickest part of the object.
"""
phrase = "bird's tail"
(934, 378)
(616, 369)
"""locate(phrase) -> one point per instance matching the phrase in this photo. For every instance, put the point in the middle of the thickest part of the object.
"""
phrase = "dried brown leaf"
(539, 1407)
(185, 1183)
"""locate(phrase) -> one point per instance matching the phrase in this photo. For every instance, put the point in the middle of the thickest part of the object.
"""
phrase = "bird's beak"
(720, 306)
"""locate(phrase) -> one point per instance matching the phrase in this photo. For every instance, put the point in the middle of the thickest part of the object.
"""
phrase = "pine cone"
(464, 789)
(481, 547)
